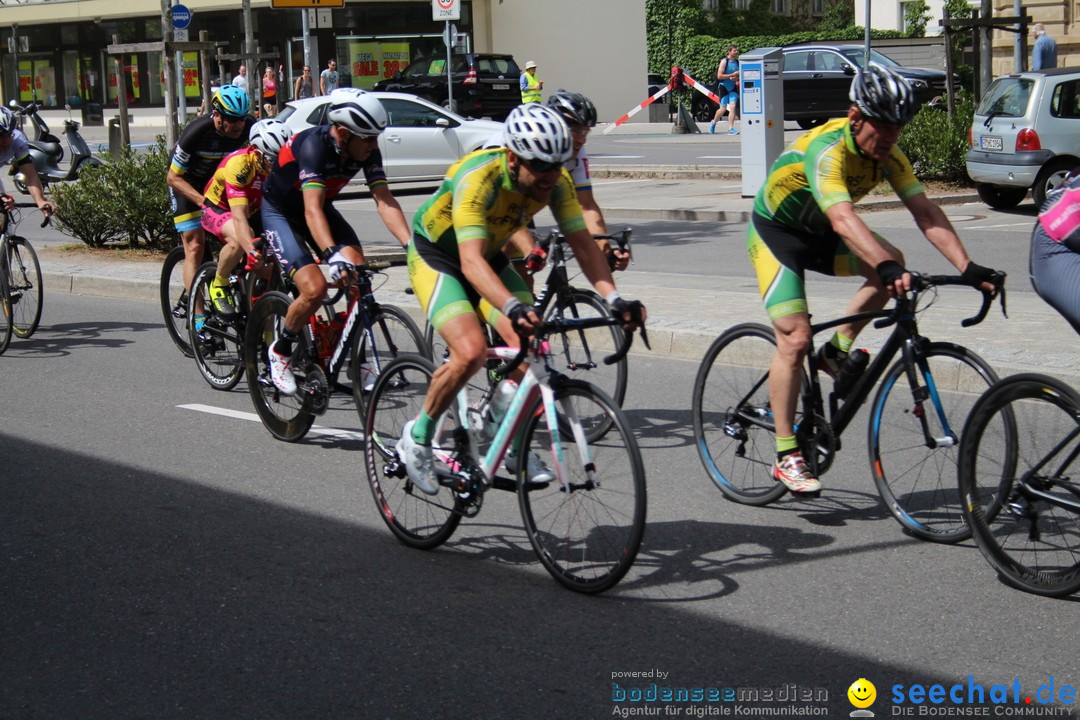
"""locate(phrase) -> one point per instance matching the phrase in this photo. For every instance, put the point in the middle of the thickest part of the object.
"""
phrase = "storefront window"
(373, 59)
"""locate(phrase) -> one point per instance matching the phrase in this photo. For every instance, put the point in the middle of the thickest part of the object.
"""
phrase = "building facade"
(55, 50)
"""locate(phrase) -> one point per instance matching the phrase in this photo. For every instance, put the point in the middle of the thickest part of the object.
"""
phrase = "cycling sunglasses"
(542, 166)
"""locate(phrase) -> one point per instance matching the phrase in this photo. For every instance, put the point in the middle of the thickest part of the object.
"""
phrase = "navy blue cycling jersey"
(311, 159)
(201, 148)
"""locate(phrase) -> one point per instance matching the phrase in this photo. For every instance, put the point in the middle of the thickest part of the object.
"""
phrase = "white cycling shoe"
(280, 371)
(536, 472)
(419, 461)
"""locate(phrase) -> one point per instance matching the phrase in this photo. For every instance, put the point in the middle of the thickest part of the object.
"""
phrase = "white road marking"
(1004, 225)
(239, 415)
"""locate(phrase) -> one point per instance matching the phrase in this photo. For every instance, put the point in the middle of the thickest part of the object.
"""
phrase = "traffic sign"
(181, 17)
(445, 10)
(307, 3)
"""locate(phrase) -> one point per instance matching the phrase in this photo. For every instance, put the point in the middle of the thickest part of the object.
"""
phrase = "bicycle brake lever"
(645, 337)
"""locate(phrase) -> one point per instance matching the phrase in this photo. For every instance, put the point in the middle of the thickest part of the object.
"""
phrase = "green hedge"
(937, 145)
(122, 201)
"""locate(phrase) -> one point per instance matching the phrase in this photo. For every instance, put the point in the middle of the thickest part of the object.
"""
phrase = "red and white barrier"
(678, 78)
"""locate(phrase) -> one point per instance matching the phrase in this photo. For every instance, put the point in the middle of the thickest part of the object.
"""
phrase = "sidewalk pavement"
(686, 312)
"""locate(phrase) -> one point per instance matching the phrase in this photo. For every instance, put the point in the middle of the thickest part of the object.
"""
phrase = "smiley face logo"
(862, 693)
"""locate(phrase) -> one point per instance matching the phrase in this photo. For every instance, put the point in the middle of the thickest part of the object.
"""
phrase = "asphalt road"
(163, 557)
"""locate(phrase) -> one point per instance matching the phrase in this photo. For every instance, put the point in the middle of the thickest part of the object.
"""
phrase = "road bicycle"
(920, 406)
(366, 336)
(174, 295)
(22, 273)
(218, 346)
(1020, 482)
(578, 351)
(585, 525)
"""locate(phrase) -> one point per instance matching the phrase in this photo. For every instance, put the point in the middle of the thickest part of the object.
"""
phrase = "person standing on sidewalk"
(1044, 52)
(804, 218)
(328, 78)
(304, 87)
(530, 84)
(727, 75)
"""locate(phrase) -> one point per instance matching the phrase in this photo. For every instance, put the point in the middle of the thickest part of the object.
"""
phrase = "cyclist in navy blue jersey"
(298, 209)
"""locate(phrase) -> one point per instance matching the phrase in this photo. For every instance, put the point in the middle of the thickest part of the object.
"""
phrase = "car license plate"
(500, 87)
(989, 143)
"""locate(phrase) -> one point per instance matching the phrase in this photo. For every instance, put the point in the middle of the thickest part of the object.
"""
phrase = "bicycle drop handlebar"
(559, 325)
(922, 282)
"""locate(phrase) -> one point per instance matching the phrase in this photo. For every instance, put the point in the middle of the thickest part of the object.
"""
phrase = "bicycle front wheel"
(174, 299)
(580, 353)
(586, 525)
(219, 346)
(5, 315)
(1021, 444)
(24, 286)
(283, 415)
(733, 426)
(416, 519)
(914, 438)
(393, 333)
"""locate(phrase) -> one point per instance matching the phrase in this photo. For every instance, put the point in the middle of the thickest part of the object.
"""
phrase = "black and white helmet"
(357, 111)
(536, 132)
(7, 120)
(270, 136)
(883, 94)
(574, 107)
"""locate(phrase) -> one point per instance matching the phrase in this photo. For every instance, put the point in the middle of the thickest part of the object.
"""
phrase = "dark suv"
(484, 85)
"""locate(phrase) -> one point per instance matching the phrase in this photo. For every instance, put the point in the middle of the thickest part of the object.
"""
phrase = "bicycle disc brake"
(315, 390)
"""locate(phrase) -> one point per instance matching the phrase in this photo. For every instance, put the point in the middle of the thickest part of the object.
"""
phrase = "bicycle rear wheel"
(283, 415)
(24, 286)
(5, 315)
(733, 426)
(174, 299)
(580, 353)
(918, 483)
(219, 346)
(393, 333)
(586, 527)
(416, 519)
(1022, 442)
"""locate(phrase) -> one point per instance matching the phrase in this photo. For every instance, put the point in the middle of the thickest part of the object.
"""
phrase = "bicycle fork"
(923, 388)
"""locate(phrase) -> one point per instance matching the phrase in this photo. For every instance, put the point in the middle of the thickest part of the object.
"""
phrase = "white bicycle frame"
(537, 378)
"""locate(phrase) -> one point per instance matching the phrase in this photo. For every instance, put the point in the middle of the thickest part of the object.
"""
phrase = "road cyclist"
(204, 143)
(461, 277)
(15, 150)
(298, 210)
(804, 218)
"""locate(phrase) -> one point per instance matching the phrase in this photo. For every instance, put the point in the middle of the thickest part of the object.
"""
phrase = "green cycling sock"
(785, 445)
(423, 428)
(842, 342)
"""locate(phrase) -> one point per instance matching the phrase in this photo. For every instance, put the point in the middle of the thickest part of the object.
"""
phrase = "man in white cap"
(530, 84)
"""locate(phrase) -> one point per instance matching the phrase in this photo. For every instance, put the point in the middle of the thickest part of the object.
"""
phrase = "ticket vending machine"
(761, 107)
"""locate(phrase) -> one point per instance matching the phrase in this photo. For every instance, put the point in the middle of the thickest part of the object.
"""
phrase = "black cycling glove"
(974, 275)
(890, 271)
(619, 306)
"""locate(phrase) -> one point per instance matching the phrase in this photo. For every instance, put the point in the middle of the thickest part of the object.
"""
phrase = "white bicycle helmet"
(536, 132)
(270, 136)
(883, 94)
(357, 111)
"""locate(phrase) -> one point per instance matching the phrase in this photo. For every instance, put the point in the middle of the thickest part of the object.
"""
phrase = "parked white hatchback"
(421, 139)
(1026, 134)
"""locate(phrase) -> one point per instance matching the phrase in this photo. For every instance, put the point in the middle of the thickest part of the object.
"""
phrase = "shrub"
(123, 200)
(936, 144)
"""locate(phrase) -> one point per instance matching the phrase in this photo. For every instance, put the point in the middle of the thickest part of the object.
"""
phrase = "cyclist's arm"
(594, 216)
(317, 224)
(592, 261)
(391, 214)
(522, 241)
(241, 226)
(935, 225)
(33, 185)
(478, 272)
(857, 236)
(180, 184)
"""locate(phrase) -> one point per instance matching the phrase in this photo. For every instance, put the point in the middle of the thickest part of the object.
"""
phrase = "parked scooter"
(43, 137)
(47, 153)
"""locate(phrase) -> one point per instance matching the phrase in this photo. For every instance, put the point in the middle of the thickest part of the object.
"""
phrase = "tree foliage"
(916, 17)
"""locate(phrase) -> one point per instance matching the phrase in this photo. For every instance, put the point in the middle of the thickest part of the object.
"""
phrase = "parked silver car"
(421, 140)
(1025, 134)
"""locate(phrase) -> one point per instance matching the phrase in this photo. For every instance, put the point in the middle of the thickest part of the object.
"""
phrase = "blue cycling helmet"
(231, 101)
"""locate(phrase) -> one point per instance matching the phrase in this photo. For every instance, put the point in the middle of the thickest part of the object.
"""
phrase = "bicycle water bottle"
(500, 401)
(850, 372)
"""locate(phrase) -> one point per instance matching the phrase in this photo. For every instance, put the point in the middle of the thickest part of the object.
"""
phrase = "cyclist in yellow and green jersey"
(461, 276)
(804, 218)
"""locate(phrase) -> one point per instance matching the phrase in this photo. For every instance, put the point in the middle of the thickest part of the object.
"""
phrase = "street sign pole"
(447, 10)
(449, 68)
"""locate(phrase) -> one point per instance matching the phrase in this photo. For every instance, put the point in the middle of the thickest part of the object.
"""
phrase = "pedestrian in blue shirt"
(1044, 52)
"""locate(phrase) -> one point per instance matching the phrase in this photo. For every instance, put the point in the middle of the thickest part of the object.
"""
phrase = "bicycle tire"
(24, 286)
(737, 445)
(586, 527)
(173, 295)
(918, 484)
(5, 315)
(416, 519)
(219, 348)
(581, 353)
(1012, 429)
(395, 333)
(283, 415)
